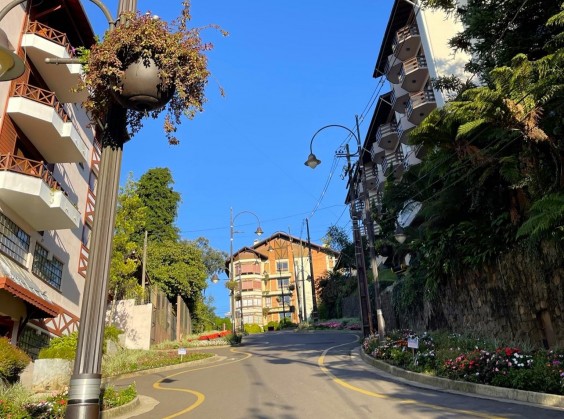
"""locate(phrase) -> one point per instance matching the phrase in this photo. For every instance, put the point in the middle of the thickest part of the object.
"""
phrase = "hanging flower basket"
(147, 66)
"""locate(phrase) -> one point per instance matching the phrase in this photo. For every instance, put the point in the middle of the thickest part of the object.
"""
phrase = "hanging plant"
(231, 285)
(146, 44)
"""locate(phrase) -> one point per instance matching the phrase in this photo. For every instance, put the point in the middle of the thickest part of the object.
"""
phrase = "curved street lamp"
(312, 161)
(232, 231)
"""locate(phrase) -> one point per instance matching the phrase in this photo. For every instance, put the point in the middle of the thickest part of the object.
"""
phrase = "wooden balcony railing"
(38, 169)
(43, 96)
(83, 260)
(404, 33)
(411, 65)
(51, 34)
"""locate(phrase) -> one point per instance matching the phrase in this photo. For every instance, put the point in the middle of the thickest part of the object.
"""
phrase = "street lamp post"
(232, 231)
(313, 162)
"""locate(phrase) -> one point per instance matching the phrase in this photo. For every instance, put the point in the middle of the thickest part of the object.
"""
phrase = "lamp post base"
(84, 397)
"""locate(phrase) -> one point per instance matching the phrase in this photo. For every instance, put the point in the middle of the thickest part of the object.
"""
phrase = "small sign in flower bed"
(469, 359)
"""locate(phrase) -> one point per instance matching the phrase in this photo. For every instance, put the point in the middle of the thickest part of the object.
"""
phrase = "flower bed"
(478, 361)
(214, 335)
(340, 324)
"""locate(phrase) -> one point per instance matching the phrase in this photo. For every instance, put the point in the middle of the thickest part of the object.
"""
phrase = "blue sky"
(288, 68)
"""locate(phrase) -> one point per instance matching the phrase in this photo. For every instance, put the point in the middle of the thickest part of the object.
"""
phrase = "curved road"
(290, 375)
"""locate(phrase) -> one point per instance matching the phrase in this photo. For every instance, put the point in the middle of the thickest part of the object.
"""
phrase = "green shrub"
(12, 361)
(64, 347)
(252, 328)
(286, 322)
(113, 398)
(234, 338)
(273, 324)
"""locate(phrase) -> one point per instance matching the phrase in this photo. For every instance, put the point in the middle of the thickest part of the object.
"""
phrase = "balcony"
(414, 74)
(377, 153)
(29, 189)
(399, 98)
(44, 121)
(40, 42)
(392, 69)
(374, 179)
(393, 164)
(406, 42)
(404, 127)
(387, 136)
(420, 105)
(410, 160)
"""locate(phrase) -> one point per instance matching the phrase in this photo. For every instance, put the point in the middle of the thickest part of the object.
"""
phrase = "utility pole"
(369, 223)
(314, 314)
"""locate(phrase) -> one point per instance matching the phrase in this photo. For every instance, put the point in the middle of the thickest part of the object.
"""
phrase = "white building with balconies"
(48, 173)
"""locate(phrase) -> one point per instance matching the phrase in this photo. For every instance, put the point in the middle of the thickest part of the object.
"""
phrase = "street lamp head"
(11, 65)
(215, 278)
(312, 161)
(399, 235)
(259, 231)
(270, 248)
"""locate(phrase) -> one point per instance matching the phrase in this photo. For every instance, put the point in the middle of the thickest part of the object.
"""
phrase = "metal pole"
(304, 315)
(314, 314)
(231, 279)
(144, 264)
(369, 223)
(366, 316)
(84, 386)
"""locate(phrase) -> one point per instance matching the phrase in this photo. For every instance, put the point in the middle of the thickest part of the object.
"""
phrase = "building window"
(13, 240)
(282, 266)
(51, 271)
(284, 282)
(31, 341)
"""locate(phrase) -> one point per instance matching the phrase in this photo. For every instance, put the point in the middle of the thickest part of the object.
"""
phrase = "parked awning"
(18, 282)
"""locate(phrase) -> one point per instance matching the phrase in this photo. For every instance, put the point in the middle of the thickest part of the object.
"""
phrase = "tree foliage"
(178, 268)
(156, 193)
(131, 216)
(493, 176)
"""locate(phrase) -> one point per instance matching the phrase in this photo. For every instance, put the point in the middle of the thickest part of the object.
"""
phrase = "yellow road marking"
(343, 383)
(199, 396)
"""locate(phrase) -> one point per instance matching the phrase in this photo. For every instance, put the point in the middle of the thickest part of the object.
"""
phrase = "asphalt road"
(307, 375)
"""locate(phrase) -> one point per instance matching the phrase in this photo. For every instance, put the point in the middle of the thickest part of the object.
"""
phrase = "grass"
(130, 360)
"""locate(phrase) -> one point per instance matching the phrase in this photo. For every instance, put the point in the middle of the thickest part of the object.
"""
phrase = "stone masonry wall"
(520, 300)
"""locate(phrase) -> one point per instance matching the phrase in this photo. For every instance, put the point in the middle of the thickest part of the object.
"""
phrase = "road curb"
(549, 400)
(121, 410)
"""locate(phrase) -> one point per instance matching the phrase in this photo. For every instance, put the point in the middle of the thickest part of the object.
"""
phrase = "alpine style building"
(49, 162)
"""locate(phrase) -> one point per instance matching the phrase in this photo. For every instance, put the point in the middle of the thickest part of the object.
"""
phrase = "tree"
(495, 31)
(212, 258)
(177, 267)
(155, 191)
(131, 216)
